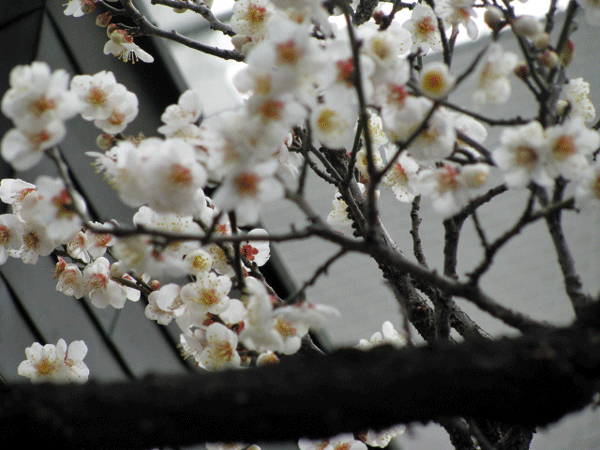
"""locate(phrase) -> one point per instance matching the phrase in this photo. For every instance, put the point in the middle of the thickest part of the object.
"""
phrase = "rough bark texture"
(528, 381)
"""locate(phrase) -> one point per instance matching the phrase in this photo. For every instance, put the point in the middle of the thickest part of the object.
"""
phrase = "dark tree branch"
(532, 380)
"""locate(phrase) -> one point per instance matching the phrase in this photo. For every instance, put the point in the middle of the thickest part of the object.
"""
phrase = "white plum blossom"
(13, 192)
(103, 291)
(383, 437)
(198, 261)
(333, 122)
(97, 93)
(55, 363)
(121, 45)
(523, 155)
(258, 333)
(313, 315)
(423, 26)
(250, 18)
(39, 96)
(437, 139)
(449, 187)
(11, 235)
(55, 208)
(255, 251)
(36, 243)
(435, 80)
(458, 12)
(123, 109)
(493, 84)
(343, 441)
(401, 178)
(76, 8)
(24, 147)
(208, 294)
(164, 304)
(570, 145)
(388, 335)
(71, 281)
(588, 188)
(245, 190)
(577, 94)
(385, 47)
(186, 111)
(220, 350)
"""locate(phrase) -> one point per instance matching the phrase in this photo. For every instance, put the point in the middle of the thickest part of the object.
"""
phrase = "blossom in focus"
(36, 243)
(164, 304)
(401, 178)
(255, 251)
(55, 363)
(121, 45)
(70, 279)
(423, 26)
(220, 350)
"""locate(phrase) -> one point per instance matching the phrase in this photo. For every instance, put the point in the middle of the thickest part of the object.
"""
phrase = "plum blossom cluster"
(55, 363)
(301, 80)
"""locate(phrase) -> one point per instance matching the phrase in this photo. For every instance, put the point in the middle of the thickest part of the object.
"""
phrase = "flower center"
(97, 96)
(41, 105)
(45, 366)
(525, 156)
(246, 184)
(181, 175)
(325, 121)
(425, 26)
(249, 252)
(31, 240)
(288, 53)
(564, 147)
(271, 109)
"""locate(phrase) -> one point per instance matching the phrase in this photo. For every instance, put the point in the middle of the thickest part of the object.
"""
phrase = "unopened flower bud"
(111, 28)
(105, 141)
(103, 20)
(527, 26)
(493, 17)
(550, 59)
(154, 285)
(522, 71)
(566, 56)
(88, 6)
(239, 41)
(541, 40)
(120, 37)
(561, 107)
(475, 175)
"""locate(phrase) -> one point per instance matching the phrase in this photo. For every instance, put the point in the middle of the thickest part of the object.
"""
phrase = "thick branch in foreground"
(532, 380)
